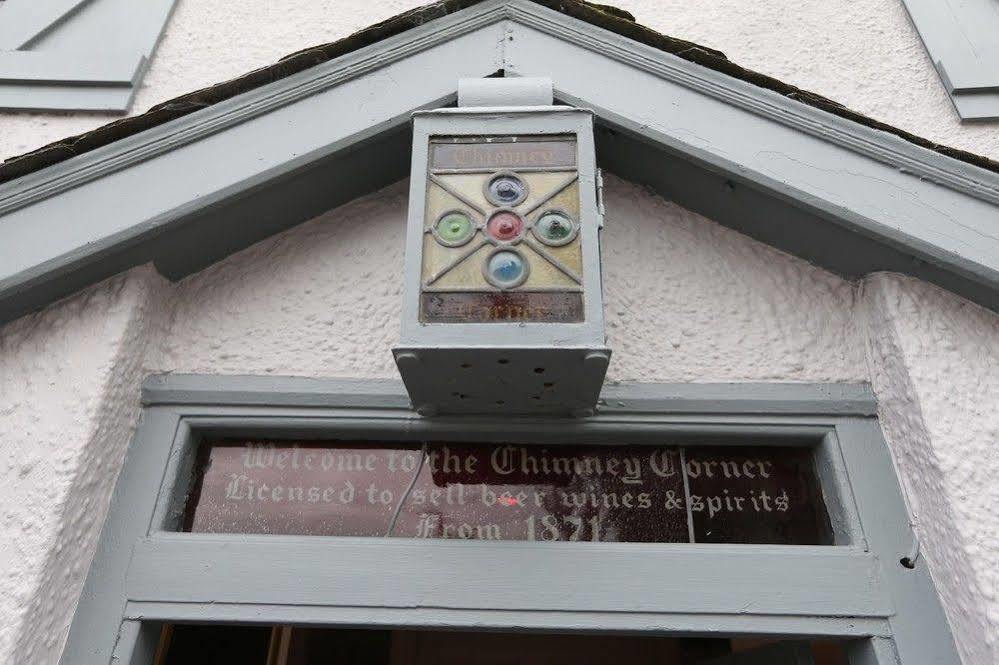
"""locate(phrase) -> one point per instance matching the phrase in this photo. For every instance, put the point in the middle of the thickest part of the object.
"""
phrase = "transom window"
(745, 519)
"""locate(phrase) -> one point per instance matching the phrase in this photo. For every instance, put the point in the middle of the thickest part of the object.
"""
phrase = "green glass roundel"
(555, 228)
(454, 228)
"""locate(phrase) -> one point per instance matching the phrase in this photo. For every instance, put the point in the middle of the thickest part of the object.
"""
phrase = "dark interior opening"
(287, 645)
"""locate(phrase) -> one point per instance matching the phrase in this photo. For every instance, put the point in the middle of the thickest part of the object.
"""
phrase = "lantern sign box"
(502, 306)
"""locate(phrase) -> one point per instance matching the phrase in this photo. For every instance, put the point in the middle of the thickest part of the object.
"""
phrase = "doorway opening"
(186, 644)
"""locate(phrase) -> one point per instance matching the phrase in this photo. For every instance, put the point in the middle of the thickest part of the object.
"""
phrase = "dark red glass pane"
(511, 492)
(755, 495)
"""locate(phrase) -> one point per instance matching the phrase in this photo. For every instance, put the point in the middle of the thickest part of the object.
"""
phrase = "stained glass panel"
(502, 226)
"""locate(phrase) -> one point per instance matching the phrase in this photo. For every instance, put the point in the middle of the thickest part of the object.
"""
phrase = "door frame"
(146, 573)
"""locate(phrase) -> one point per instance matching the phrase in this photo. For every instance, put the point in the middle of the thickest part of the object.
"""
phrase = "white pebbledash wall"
(686, 300)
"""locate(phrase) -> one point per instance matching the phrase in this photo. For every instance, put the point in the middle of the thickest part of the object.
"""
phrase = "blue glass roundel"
(506, 269)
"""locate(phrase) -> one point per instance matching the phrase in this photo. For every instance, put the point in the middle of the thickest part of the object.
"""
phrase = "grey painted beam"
(838, 399)
(181, 389)
(716, 579)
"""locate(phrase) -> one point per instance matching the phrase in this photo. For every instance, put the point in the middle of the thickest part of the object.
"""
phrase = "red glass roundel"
(505, 226)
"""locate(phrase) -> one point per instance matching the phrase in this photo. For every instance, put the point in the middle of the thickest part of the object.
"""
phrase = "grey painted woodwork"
(194, 190)
(960, 37)
(605, 577)
(749, 398)
(53, 54)
(26, 20)
(145, 573)
(100, 69)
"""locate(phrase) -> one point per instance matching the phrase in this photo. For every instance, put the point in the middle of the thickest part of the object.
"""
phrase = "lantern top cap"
(499, 110)
(504, 92)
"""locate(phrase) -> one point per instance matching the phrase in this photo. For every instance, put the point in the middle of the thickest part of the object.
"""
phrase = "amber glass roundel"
(454, 228)
(555, 227)
(505, 226)
(505, 189)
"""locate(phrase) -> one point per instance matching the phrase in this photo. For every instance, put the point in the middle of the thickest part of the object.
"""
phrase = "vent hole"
(549, 385)
(500, 402)
(466, 365)
(539, 370)
(503, 361)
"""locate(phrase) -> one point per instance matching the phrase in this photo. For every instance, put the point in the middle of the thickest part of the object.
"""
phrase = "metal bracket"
(600, 197)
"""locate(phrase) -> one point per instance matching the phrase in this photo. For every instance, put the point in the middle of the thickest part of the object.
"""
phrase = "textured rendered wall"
(862, 53)
(68, 404)
(687, 300)
(934, 362)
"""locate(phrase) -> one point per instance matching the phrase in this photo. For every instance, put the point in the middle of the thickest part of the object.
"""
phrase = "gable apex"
(207, 174)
